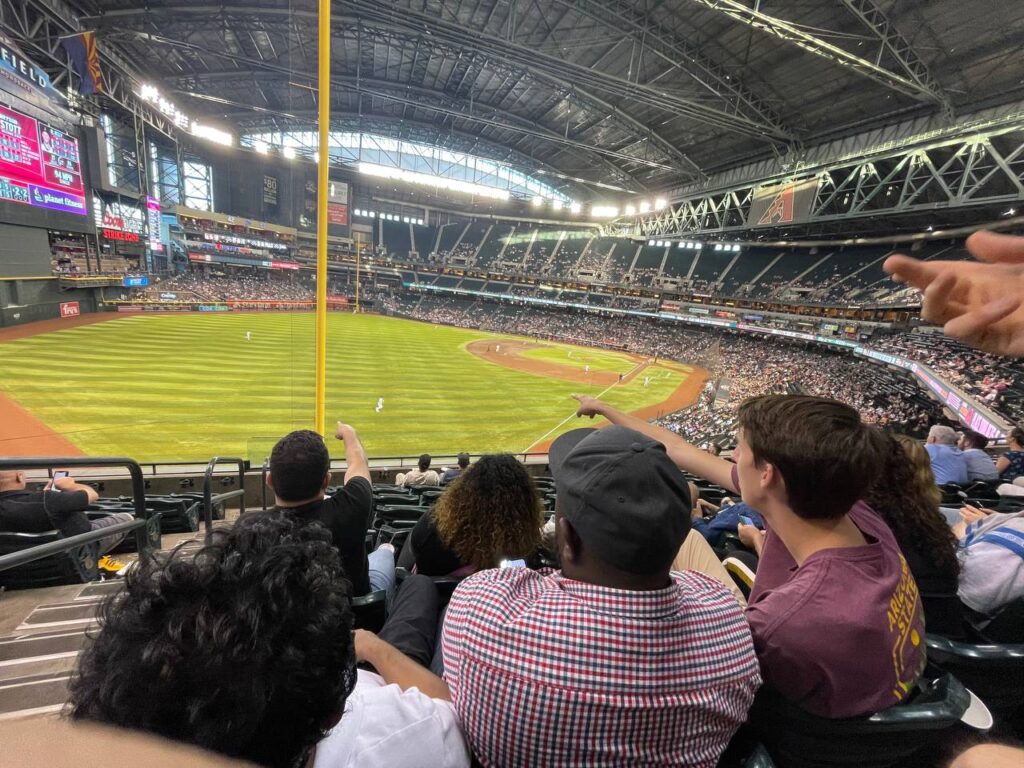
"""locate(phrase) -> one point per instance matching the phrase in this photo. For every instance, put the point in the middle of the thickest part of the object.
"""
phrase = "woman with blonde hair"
(490, 513)
(907, 498)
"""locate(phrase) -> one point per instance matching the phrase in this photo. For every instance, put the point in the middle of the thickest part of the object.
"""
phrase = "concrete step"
(15, 649)
(28, 696)
(39, 668)
(61, 615)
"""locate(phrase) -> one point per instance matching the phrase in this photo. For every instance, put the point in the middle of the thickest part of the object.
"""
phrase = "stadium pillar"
(322, 180)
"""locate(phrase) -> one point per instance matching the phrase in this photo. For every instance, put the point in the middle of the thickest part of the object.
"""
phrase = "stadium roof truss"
(984, 169)
(598, 95)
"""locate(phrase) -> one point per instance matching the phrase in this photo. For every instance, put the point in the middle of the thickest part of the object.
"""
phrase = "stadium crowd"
(750, 366)
(625, 642)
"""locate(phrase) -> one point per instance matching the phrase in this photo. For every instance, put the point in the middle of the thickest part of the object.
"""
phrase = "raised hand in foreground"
(980, 304)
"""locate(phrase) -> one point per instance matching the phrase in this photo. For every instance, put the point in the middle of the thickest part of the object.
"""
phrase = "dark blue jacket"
(726, 521)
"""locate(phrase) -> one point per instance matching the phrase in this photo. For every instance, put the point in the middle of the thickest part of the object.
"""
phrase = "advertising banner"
(69, 309)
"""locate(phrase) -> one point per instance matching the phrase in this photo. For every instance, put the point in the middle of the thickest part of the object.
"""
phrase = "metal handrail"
(40, 551)
(142, 515)
(209, 499)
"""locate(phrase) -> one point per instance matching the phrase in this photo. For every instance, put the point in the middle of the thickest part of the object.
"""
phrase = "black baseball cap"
(623, 495)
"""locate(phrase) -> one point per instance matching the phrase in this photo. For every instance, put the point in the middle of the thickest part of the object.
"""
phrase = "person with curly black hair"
(906, 496)
(491, 512)
(245, 647)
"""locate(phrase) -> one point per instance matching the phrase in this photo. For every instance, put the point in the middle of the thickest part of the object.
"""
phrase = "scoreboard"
(39, 165)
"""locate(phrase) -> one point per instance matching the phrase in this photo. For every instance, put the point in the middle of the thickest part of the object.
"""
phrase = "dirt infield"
(22, 433)
(685, 394)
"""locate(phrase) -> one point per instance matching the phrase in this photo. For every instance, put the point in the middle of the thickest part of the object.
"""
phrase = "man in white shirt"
(245, 647)
(402, 714)
(422, 475)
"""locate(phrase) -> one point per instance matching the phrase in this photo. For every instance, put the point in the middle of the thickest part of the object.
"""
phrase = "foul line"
(567, 419)
(634, 370)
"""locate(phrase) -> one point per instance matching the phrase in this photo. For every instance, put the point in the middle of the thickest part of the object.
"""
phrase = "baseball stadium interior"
(503, 383)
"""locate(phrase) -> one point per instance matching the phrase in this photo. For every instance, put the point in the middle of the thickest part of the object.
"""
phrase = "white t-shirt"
(387, 727)
(992, 562)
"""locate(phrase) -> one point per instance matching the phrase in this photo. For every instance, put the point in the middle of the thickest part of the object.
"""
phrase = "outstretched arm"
(355, 455)
(395, 667)
(980, 304)
(687, 457)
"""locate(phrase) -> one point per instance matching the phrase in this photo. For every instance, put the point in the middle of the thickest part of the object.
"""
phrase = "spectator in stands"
(948, 463)
(826, 560)
(991, 563)
(492, 512)
(60, 506)
(905, 495)
(300, 471)
(245, 648)
(422, 475)
(980, 466)
(980, 304)
(452, 472)
(609, 660)
(1011, 464)
(725, 521)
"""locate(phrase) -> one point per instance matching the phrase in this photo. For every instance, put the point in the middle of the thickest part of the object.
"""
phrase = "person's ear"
(270, 481)
(568, 541)
(327, 481)
(770, 477)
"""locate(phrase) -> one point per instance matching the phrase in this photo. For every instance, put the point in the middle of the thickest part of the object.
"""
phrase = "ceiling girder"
(364, 33)
(898, 48)
(902, 82)
(578, 80)
(425, 99)
(682, 55)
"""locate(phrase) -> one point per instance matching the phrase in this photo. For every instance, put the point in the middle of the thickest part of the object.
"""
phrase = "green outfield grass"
(186, 387)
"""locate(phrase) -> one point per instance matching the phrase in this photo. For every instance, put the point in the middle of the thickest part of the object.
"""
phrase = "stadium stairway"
(38, 658)
(42, 632)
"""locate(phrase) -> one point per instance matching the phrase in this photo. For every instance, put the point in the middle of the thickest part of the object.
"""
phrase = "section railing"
(146, 524)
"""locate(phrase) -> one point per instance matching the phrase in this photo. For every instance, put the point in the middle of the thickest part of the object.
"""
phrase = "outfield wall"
(30, 300)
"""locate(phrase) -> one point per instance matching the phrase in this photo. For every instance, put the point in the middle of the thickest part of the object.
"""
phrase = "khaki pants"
(697, 555)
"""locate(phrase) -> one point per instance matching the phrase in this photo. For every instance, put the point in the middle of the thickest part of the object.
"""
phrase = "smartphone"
(60, 474)
(512, 564)
(746, 520)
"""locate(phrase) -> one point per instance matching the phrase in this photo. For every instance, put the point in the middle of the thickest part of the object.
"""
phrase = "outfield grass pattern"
(185, 387)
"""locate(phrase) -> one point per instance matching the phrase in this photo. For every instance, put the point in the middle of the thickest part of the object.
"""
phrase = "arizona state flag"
(85, 61)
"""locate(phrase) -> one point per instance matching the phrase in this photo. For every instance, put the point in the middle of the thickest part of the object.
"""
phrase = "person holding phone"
(60, 505)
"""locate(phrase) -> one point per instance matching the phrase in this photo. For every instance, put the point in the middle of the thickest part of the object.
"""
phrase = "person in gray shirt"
(980, 465)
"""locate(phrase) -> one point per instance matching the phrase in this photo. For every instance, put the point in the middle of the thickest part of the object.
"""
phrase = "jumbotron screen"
(39, 165)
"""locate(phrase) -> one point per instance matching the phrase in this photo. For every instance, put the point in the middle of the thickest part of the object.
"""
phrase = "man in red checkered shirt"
(613, 660)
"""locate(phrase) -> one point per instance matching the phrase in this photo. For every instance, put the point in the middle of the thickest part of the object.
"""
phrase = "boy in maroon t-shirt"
(835, 614)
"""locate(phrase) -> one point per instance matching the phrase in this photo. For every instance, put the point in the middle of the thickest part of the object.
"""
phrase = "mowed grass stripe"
(185, 387)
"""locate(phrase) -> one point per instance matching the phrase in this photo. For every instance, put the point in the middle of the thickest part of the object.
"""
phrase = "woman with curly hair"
(907, 498)
(491, 512)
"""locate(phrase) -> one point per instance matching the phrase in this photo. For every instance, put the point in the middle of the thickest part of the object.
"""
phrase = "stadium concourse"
(671, 358)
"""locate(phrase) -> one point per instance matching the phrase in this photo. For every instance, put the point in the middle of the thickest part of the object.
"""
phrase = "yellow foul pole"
(322, 181)
(359, 250)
